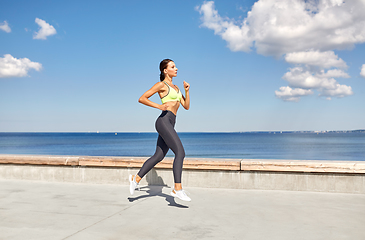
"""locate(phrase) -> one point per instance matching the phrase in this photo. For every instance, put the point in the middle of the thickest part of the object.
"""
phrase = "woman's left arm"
(185, 101)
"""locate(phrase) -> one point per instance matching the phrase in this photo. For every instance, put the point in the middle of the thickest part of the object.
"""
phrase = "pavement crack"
(103, 219)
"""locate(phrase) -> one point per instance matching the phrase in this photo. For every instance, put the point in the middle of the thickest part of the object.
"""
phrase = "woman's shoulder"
(159, 86)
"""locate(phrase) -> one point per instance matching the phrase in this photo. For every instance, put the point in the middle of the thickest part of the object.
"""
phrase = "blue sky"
(250, 69)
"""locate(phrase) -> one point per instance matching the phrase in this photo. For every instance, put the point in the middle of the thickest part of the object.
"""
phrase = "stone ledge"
(39, 160)
(313, 166)
(137, 162)
(353, 167)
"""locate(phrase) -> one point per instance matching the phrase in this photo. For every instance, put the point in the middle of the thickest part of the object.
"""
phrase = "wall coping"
(273, 165)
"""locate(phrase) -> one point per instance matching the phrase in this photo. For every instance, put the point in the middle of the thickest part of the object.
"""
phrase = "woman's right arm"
(144, 99)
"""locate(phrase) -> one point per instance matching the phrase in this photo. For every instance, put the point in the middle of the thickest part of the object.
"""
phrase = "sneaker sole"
(175, 195)
(130, 185)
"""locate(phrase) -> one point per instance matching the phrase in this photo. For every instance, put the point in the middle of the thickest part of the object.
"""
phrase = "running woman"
(171, 98)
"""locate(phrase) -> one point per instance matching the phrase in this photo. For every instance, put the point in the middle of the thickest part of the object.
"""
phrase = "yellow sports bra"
(172, 95)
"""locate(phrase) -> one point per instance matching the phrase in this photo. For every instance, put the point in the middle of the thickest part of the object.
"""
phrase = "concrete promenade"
(61, 210)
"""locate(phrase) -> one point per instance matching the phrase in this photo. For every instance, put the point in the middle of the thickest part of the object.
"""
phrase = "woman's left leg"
(174, 143)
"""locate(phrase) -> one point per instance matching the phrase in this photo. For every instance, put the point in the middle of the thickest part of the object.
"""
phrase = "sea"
(344, 146)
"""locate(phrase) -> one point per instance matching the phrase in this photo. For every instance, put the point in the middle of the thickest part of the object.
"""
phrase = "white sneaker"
(180, 194)
(132, 184)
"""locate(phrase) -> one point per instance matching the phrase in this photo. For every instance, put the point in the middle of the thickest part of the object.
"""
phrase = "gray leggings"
(167, 139)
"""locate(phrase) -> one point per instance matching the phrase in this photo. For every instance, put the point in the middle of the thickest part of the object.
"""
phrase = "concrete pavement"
(44, 210)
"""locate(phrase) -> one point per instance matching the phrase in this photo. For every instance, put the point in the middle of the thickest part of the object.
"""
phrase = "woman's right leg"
(160, 153)
(161, 150)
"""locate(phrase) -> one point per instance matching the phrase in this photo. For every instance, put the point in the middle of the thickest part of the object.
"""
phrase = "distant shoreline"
(323, 131)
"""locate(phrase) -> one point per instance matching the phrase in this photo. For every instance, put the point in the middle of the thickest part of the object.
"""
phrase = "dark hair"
(163, 65)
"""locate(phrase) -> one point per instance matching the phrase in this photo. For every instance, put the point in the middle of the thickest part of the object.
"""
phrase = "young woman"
(171, 99)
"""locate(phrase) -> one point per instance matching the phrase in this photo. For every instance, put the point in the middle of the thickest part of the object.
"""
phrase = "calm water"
(301, 146)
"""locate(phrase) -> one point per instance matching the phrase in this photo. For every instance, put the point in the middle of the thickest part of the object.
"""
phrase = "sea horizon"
(333, 145)
(254, 131)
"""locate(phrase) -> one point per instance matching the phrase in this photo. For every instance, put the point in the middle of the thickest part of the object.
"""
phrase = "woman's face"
(171, 69)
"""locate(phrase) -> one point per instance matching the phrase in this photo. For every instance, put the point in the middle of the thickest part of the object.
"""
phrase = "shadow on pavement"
(153, 191)
(154, 188)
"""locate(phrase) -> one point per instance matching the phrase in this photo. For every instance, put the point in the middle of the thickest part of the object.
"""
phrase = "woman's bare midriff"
(173, 106)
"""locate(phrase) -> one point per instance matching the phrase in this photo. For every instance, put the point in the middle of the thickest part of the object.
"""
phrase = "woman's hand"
(185, 101)
(186, 86)
(164, 106)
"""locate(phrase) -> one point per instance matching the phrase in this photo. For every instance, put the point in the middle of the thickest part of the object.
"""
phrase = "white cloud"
(334, 73)
(292, 95)
(339, 91)
(326, 59)
(310, 73)
(305, 32)
(298, 77)
(285, 26)
(5, 27)
(321, 81)
(45, 30)
(362, 73)
(13, 67)
(236, 36)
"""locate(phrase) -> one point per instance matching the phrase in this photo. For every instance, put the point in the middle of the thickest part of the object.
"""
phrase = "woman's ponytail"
(162, 76)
